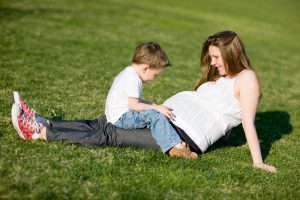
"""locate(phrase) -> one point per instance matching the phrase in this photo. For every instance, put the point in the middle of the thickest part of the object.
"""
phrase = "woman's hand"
(265, 167)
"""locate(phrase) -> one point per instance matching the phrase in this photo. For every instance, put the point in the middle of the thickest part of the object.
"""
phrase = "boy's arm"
(135, 104)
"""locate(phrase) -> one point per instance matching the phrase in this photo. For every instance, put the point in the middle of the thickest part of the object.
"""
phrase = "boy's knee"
(154, 112)
(156, 115)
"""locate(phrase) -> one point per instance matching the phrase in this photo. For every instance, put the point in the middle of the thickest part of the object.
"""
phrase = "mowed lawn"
(63, 55)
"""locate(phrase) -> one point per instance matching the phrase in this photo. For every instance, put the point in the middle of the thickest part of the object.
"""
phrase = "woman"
(226, 95)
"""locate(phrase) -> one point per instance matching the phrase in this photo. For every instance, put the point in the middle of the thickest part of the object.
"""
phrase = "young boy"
(125, 108)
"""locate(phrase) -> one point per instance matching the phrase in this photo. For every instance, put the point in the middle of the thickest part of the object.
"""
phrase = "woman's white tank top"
(208, 113)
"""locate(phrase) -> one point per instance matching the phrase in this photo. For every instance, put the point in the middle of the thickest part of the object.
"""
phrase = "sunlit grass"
(63, 55)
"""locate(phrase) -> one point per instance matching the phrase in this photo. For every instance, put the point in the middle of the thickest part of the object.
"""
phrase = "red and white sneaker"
(17, 99)
(26, 126)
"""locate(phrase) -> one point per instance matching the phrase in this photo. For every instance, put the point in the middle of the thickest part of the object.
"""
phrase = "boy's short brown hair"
(152, 54)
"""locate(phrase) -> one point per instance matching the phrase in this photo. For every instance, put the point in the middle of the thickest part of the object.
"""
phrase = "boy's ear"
(145, 67)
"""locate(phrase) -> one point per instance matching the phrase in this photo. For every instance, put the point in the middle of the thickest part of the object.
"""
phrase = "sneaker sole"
(15, 111)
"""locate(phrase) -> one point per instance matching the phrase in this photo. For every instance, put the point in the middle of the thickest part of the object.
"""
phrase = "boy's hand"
(165, 110)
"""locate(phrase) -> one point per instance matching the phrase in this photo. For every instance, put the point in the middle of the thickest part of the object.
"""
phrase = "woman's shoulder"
(247, 79)
(247, 73)
(247, 82)
(247, 76)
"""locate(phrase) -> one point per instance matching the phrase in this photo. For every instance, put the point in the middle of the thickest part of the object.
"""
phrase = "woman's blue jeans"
(162, 131)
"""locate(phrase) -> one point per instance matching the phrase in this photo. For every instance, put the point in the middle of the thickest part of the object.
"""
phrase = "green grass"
(62, 57)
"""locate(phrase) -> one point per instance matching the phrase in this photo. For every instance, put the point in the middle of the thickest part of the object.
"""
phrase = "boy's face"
(149, 74)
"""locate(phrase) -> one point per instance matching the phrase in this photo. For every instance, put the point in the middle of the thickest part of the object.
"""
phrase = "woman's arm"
(248, 93)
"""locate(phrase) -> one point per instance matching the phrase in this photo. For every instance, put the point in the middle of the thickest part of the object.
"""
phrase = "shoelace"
(29, 111)
(28, 125)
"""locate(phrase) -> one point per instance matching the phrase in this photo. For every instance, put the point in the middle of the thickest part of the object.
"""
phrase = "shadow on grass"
(270, 126)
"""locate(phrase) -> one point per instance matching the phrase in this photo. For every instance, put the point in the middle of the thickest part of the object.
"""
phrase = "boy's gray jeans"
(98, 133)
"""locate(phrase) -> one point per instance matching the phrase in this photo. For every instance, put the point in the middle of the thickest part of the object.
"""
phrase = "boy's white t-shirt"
(127, 84)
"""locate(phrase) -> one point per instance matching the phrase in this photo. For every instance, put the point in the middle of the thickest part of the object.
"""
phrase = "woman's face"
(216, 59)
